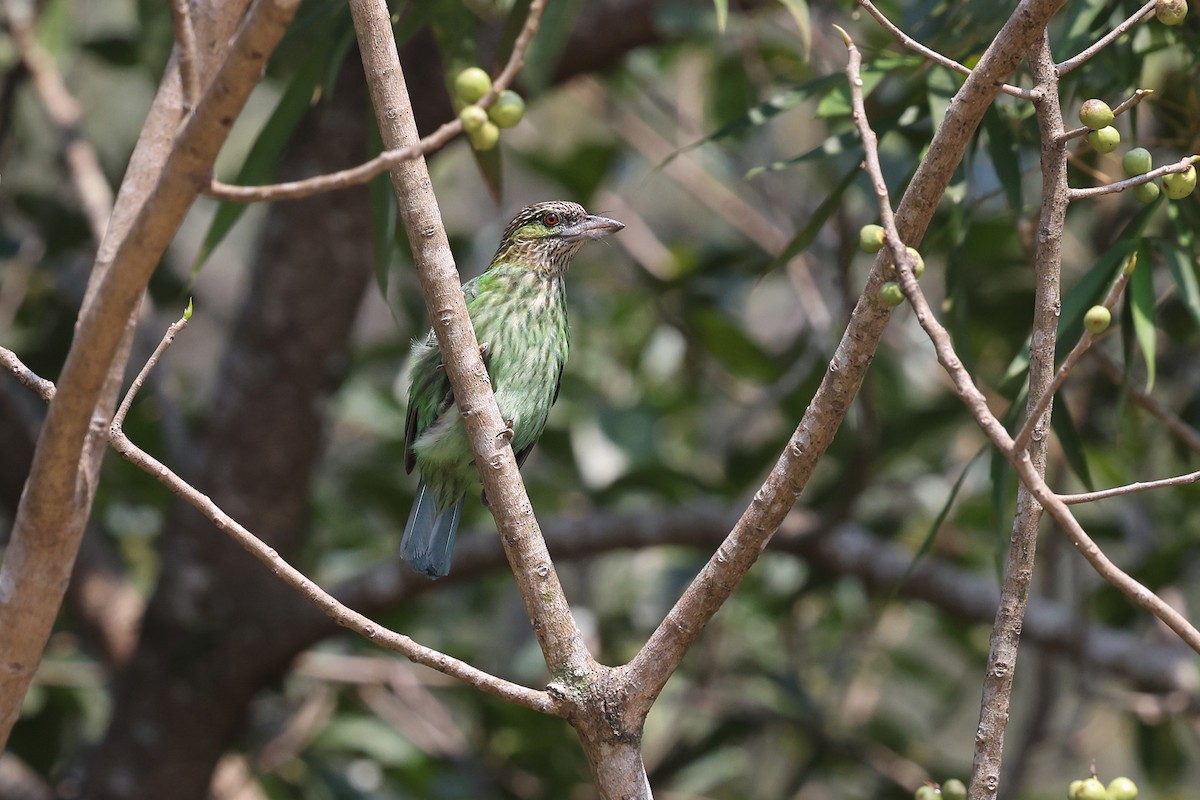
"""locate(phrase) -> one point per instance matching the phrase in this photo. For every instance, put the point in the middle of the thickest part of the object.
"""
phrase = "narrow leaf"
(805, 236)
(722, 7)
(1004, 152)
(1141, 304)
(799, 12)
(1072, 445)
(1183, 270)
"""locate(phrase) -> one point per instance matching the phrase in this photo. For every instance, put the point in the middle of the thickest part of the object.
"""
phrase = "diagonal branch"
(662, 653)
(393, 156)
(58, 494)
(330, 606)
(1071, 63)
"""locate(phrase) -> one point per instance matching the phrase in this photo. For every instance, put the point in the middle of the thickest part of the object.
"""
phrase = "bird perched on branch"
(519, 311)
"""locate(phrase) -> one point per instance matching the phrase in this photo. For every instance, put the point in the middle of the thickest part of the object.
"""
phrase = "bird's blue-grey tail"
(428, 542)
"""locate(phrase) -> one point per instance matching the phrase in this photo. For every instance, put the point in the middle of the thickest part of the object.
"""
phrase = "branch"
(1184, 432)
(662, 653)
(64, 110)
(188, 60)
(1137, 180)
(1138, 96)
(393, 156)
(1021, 441)
(155, 197)
(336, 611)
(931, 54)
(25, 376)
(1130, 488)
(1071, 63)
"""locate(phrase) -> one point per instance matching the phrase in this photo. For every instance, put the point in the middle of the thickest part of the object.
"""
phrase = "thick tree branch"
(651, 668)
(56, 502)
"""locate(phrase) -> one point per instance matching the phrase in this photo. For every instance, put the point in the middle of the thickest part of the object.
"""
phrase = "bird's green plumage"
(519, 312)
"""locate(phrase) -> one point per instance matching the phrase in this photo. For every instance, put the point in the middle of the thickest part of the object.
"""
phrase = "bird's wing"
(429, 393)
(527, 449)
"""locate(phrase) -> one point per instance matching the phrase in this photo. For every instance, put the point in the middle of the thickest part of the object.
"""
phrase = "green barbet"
(519, 311)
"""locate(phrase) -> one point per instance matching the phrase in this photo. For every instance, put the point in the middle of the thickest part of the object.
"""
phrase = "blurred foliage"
(695, 350)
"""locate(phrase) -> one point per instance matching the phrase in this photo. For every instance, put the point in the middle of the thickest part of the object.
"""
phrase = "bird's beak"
(591, 227)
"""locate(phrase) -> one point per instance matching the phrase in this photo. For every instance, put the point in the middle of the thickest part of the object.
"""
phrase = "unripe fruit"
(1170, 12)
(1122, 789)
(870, 238)
(1137, 161)
(1179, 185)
(486, 137)
(954, 789)
(918, 262)
(473, 118)
(1092, 789)
(1096, 114)
(1146, 192)
(1097, 319)
(507, 110)
(891, 294)
(1105, 140)
(926, 792)
(1074, 789)
(471, 84)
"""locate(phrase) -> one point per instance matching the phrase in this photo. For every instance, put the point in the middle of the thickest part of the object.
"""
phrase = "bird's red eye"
(551, 219)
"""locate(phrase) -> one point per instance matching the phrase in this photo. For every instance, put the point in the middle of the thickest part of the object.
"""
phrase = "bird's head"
(546, 235)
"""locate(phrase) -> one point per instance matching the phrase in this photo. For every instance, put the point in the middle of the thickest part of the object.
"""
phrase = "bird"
(518, 308)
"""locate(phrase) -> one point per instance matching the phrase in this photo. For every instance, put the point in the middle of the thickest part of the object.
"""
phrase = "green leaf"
(805, 236)
(722, 8)
(1004, 152)
(941, 85)
(799, 11)
(1072, 446)
(1183, 270)
(938, 521)
(845, 142)
(1141, 304)
(260, 164)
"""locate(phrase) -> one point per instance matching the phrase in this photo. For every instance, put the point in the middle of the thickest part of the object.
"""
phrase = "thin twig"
(95, 195)
(1130, 488)
(1137, 16)
(1138, 96)
(27, 377)
(1171, 421)
(1137, 180)
(185, 38)
(330, 606)
(1021, 441)
(383, 162)
(1027, 473)
(931, 54)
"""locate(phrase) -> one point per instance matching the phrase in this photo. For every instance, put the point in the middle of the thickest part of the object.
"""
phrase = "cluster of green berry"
(871, 240)
(1097, 116)
(1092, 789)
(953, 789)
(483, 127)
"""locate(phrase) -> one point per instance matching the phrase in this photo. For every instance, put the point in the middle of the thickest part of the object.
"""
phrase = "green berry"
(870, 238)
(918, 262)
(486, 137)
(926, 792)
(1171, 12)
(1137, 161)
(473, 118)
(471, 84)
(1092, 789)
(891, 294)
(507, 110)
(1096, 114)
(1179, 185)
(954, 789)
(1146, 192)
(1105, 140)
(1122, 789)
(1074, 789)
(1097, 319)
